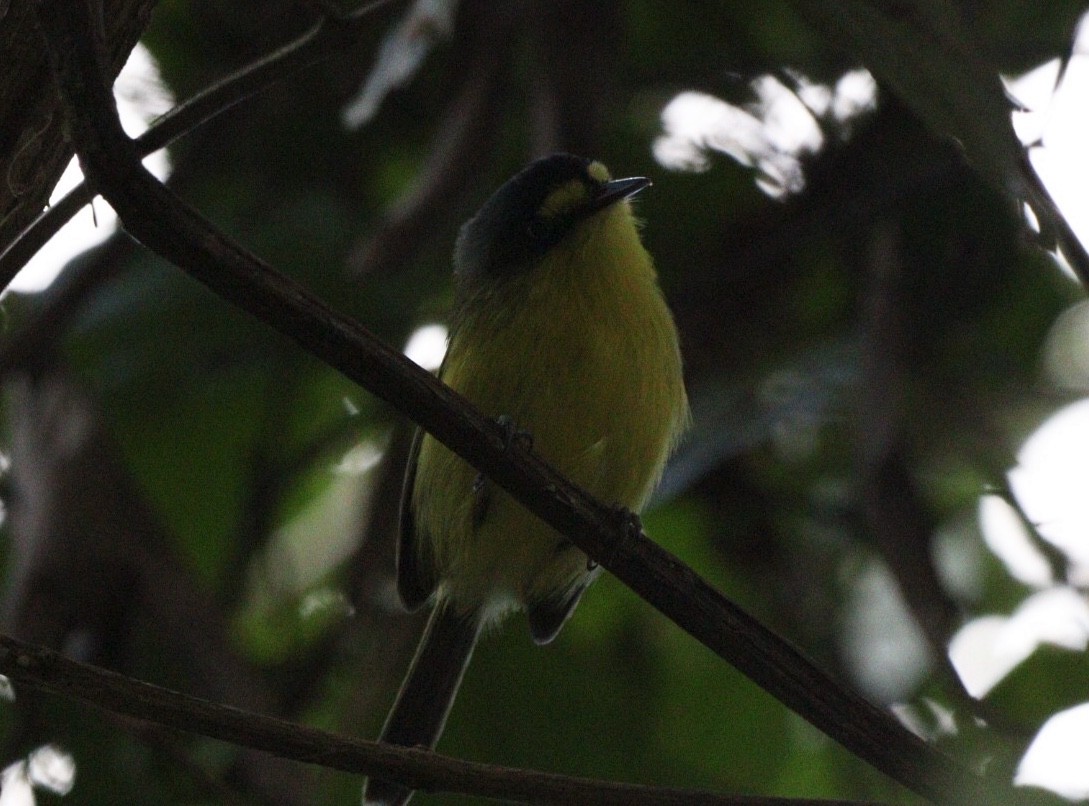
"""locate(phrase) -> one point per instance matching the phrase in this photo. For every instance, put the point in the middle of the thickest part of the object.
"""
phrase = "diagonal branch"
(165, 224)
(46, 670)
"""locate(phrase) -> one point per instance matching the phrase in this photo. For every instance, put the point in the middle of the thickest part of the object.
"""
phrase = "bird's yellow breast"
(580, 351)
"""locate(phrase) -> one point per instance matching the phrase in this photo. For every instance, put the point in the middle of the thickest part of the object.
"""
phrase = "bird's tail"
(424, 702)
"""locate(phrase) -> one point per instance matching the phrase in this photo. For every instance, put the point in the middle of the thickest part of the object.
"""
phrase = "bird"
(560, 331)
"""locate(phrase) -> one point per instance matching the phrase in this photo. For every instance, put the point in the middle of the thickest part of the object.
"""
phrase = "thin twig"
(46, 670)
(332, 35)
(1043, 205)
(164, 223)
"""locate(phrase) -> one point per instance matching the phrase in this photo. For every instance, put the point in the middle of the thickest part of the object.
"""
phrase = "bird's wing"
(416, 578)
(547, 616)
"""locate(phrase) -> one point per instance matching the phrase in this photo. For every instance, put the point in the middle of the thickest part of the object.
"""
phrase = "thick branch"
(152, 214)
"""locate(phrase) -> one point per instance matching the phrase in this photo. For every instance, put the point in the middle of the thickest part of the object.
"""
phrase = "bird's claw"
(513, 435)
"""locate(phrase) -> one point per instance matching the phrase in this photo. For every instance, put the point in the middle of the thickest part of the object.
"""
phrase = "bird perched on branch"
(560, 329)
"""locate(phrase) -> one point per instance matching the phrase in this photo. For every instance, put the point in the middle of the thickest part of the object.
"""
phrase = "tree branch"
(33, 150)
(330, 36)
(933, 65)
(164, 223)
(46, 670)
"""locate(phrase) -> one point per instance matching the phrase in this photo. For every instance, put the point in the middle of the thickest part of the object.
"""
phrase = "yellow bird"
(559, 327)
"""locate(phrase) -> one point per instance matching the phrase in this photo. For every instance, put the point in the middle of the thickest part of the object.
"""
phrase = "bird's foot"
(481, 492)
(630, 523)
(513, 435)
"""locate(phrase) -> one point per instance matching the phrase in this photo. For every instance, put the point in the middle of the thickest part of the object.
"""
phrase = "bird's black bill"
(618, 189)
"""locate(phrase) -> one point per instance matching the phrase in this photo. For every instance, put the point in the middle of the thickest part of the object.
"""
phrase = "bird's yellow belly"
(598, 390)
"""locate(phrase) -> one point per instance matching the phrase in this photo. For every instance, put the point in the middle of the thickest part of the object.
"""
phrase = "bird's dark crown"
(528, 215)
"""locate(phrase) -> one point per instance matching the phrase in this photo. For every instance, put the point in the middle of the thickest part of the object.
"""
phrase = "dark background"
(863, 360)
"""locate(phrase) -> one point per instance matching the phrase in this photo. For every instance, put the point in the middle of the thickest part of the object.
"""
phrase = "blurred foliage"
(893, 312)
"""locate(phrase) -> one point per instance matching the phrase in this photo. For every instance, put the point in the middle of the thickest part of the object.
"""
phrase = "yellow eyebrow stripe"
(598, 172)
